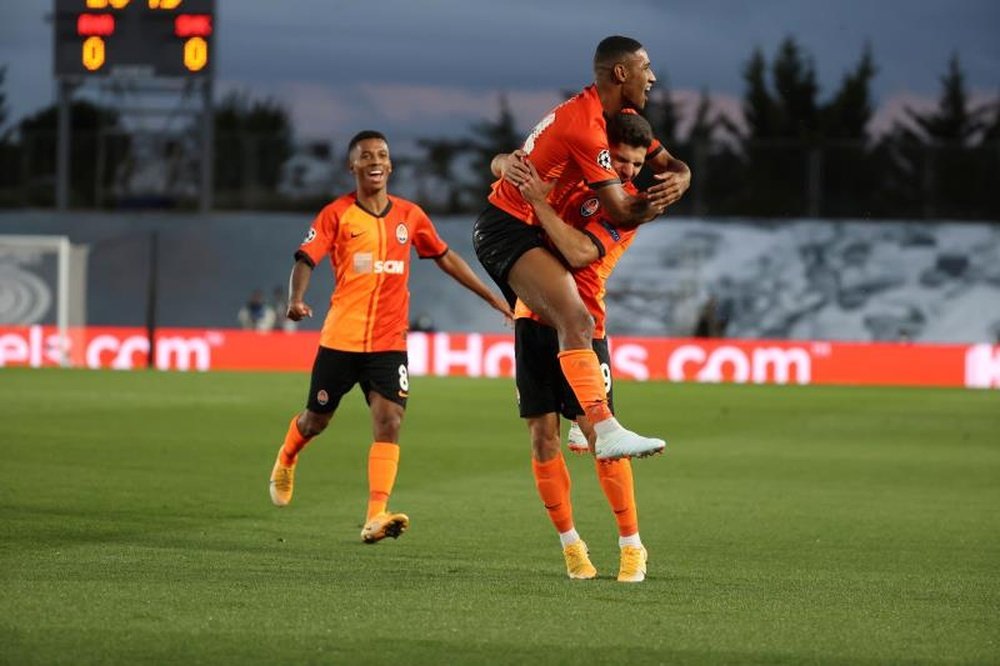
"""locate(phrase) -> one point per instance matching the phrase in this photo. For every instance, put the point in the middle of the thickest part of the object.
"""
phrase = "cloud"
(405, 111)
(441, 63)
(893, 108)
(316, 109)
(410, 104)
(411, 111)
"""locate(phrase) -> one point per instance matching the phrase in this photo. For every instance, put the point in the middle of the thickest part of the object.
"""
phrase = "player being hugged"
(367, 235)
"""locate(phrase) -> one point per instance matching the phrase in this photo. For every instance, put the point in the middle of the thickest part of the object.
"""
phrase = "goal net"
(43, 283)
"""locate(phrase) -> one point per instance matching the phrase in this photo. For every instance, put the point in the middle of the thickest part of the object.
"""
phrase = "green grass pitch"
(785, 525)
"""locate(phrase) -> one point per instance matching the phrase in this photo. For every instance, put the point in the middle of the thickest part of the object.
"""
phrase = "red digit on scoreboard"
(161, 38)
(102, 25)
(193, 25)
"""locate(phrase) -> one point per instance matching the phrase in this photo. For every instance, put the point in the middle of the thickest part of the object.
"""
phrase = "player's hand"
(534, 189)
(669, 188)
(515, 170)
(501, 305)
(298, 310)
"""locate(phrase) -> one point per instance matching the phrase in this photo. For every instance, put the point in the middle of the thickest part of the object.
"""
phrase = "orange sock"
(583, 372)
(294, 442)
(383, 460)
(616, 481)
(552, 481)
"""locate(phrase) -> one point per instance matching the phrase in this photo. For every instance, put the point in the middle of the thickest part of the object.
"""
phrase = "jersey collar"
(384, 212)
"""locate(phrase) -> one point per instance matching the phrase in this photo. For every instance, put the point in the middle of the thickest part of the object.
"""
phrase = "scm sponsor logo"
(392, 266)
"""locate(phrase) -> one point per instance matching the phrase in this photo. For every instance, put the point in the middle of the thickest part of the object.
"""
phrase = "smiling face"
(369, 162)
(637, 78)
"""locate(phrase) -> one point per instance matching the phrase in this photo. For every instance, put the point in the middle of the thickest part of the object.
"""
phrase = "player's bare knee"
(545, 441)
(386, 426)
(577, 330)
(311, 424)
(386, 432)
(545, 448)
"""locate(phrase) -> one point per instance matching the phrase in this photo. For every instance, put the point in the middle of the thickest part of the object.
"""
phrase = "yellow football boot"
(282, 482)
(385, 525)
(633, 564)
(578, 564)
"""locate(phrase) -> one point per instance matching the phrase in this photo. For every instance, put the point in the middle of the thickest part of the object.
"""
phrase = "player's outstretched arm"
(453, 264)
(298, 283)
(576, 247)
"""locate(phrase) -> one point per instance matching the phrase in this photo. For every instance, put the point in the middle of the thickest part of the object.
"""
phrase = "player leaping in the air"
(367, 235)
(592, 246)
(569, 145)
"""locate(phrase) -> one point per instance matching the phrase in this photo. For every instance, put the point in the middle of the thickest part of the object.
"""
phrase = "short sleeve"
(589, 149)
(319, 239)
(603, 233)
(426, 240)
(654, 149)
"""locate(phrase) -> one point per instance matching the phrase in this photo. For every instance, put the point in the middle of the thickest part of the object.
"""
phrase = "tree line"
(790, 153)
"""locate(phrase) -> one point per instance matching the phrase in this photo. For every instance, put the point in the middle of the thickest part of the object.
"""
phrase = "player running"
(592, 246)
(368, 235)
(569, 145)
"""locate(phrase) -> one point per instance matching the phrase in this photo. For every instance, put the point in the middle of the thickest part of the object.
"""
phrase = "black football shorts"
(336, 372)
(541, 386)
(500, 239)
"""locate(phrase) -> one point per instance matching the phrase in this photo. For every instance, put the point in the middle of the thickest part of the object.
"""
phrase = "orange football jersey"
(582, 210)
(370, 257)
(570, 144)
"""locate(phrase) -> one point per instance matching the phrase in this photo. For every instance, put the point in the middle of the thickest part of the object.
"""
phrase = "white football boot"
(614, 441)
(576, 441)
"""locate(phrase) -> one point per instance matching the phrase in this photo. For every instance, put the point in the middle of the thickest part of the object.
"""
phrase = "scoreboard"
(168, 38)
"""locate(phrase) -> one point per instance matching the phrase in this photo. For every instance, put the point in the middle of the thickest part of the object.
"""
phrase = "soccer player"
(368, 235)
(569, 145)
(592, 246)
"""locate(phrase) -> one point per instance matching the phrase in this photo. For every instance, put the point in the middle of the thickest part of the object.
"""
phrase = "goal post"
(43, 280)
